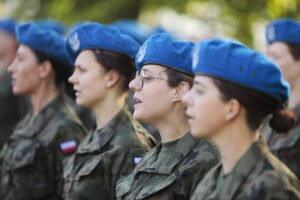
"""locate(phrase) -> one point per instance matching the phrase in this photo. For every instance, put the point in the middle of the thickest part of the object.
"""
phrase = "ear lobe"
(234, 108)
(112, 78)
(45, 68)
(182, 89)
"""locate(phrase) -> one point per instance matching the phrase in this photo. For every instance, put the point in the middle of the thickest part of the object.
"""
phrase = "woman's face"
(205, 109)
(25, 71)
(279, 53)
(88, 80)
(152, 94)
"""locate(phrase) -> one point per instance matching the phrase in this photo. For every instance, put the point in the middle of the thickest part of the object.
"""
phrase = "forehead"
(25, 50)
(153, 68)
(279, 47)
(84, 57)
(202, 80)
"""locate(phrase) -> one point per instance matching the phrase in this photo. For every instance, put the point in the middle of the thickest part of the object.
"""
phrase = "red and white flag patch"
(137, 160)
(69, 146)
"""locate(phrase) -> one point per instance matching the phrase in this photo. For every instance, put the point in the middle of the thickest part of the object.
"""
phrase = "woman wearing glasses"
(104, 67)
(173, 168)
(243, 87)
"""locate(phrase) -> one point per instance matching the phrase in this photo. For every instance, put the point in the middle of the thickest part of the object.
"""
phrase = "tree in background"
(237, 18)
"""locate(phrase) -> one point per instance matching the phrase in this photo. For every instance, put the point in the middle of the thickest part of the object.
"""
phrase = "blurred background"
(192, 20)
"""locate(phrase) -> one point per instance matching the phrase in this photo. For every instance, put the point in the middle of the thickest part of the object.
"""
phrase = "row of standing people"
(44, 160)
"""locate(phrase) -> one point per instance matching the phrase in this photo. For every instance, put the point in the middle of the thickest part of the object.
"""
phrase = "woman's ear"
(112, 78)
(233, 109)
(181, 90)
(45, 69)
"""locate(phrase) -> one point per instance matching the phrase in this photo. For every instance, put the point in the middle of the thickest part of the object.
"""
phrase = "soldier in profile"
(174, 167)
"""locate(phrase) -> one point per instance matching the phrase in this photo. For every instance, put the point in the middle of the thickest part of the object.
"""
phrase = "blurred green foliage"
(240, 15)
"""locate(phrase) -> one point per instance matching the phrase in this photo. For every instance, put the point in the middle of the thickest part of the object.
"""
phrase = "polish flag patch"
(69, 146)
(137, 160)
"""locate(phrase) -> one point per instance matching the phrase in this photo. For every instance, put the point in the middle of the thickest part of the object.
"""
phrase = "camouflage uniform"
(31, 161)
(257, 175)
(12, 108)
(174, 177)
(104, 156)
(286, 147)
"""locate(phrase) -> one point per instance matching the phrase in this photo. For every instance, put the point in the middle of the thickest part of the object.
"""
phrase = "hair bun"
(283, 120)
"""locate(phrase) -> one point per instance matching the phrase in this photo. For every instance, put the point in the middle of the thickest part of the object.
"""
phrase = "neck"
(174, 125)
(294, 97)
(233, 144)
(108, 108)
(43, 96)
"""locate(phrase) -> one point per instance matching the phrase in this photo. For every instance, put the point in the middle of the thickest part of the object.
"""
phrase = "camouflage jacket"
(12, 107)
(31, 161)
(258, 175)
(175, 177)
(104, 156)
(286, 147)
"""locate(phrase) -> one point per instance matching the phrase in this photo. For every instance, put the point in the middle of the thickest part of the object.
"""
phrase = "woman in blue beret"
(173, 168)
(31, 160)
(13, 107)
(242, 87)
(104, 66)
(283, 47)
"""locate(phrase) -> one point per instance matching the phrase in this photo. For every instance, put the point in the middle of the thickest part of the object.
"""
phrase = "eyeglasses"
(142, 77)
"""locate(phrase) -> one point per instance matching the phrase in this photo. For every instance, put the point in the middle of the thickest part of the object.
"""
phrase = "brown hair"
(258, 106)
(122, 63)
(294, 50)
(175, 77)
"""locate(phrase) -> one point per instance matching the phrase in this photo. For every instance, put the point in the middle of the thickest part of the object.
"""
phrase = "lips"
(77, 92)
(137, 101)
(189, 116)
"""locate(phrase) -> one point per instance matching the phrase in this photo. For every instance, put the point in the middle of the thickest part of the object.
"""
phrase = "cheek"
(208, 119)
(28, 78)
(156, 104)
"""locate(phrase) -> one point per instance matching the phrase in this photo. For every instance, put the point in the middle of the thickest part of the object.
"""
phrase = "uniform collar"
(243, 169)
(31, 125)
(183, 147)
(98, 139)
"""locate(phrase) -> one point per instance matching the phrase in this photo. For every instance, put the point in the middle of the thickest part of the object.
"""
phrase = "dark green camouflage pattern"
(175, 177)
(31, 161)
(286, 147)
(258, 175)
(12, 107)
(104, 156)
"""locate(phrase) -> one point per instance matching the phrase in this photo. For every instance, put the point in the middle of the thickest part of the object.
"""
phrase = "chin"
(196, 133)
(17, 91)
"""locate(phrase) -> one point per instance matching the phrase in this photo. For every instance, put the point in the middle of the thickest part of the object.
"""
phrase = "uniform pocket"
(123, 185)
(19, 154)
(88, 167)
(156, 185)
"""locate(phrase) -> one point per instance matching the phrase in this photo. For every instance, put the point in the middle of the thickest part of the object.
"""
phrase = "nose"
(11, 67)
(73, 79)
(134, 84)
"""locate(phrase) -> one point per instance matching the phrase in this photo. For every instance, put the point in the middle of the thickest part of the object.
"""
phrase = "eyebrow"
(79, 66)
(199, 83)
(147, 70)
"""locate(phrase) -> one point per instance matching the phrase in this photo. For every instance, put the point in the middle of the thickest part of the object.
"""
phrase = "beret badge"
(74, 42)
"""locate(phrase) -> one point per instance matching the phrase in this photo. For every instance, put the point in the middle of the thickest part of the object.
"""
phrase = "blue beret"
(97, 36)
(237, 63)
(285, 30)
(161, 49)
(52, 25)
(8, 25)
(43, 40)
(136, 30)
